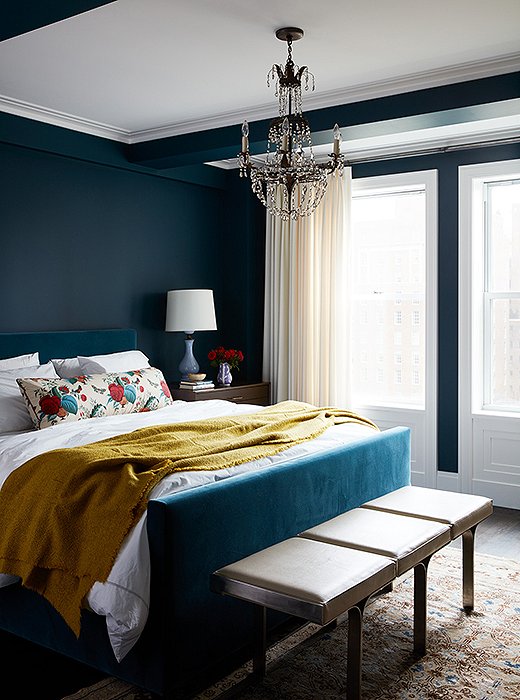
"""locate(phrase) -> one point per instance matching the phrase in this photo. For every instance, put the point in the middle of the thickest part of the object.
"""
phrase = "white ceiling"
(138, 69)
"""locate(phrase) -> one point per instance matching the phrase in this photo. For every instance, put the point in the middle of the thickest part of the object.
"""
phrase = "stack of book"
(196, 386)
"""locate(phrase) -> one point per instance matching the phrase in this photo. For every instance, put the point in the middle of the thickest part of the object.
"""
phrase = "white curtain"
(306, 353)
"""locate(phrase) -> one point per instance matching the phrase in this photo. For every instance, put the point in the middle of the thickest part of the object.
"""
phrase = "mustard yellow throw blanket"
(64, 514)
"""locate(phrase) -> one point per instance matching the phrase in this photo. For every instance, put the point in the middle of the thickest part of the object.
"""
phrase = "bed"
(192, 636)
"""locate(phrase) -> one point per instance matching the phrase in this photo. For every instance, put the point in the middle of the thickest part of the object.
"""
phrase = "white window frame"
(489, 439)
(422, 421)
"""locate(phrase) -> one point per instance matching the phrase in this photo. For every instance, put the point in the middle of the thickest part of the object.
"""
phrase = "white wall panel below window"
(496, 459)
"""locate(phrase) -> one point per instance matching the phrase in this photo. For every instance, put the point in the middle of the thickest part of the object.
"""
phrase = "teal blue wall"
(90, 240)
(87, 245)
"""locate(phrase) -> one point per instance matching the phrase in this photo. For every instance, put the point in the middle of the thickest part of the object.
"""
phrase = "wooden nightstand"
(239, 393)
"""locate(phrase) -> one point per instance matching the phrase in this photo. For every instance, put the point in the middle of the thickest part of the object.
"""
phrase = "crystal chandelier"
(290, 183)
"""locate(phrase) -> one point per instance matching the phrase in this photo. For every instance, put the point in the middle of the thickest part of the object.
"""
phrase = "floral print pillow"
(54, 401)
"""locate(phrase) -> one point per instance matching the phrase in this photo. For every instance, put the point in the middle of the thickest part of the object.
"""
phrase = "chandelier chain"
(289, 49)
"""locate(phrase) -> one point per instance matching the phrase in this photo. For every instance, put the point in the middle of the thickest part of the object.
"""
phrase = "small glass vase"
(224, 377)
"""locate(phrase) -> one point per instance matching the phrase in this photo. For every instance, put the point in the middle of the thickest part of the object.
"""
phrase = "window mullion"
(487, 350)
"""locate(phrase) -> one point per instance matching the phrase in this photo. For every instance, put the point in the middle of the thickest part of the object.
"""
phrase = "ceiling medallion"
(290, 183)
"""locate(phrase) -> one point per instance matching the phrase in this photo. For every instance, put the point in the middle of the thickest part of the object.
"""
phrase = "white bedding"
(124, 597)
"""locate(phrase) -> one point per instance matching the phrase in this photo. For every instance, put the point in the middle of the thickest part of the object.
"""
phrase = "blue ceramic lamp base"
(188, 364)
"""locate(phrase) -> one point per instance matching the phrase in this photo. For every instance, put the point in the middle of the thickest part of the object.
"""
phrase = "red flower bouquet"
(219, 355)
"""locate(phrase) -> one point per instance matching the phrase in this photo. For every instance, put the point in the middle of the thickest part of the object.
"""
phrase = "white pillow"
(67, 368)
(13, 412)
(31, 360)
(113, 362)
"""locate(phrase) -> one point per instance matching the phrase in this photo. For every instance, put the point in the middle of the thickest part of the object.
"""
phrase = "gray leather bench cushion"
(408, 540)
(314, 580)
(459, 510)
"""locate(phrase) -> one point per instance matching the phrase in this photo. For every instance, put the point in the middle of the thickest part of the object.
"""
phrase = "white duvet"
(124, 597)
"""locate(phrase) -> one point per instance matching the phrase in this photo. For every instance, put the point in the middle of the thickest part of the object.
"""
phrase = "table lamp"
(190, 310)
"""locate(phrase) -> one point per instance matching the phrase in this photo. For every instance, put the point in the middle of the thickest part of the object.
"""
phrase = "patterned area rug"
(474, 657)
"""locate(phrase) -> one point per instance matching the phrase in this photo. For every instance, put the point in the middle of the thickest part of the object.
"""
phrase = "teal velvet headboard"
(67, 343)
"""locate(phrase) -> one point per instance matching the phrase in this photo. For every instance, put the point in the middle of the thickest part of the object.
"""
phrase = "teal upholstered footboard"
(195, 532)
(193, 634)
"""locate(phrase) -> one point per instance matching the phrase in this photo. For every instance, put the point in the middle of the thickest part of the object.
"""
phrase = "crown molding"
(415, 81)
(62, 119)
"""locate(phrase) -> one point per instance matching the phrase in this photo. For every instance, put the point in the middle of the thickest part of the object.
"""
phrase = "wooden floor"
(498, 535)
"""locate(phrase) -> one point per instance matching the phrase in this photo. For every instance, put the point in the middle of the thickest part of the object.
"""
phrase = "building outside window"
(501, 295)
(389, 267)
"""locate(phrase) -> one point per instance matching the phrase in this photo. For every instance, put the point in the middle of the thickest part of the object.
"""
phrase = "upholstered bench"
(410, 542)
(338, 565)
(312, 580)
(461, 511)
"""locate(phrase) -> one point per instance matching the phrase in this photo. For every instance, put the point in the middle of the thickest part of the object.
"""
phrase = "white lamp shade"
(190, 310)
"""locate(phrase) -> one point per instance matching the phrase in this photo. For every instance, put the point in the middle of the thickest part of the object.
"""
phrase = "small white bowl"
(196, 377)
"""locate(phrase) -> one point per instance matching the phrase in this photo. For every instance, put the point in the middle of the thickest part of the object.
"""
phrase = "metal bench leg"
(355, 650)
(468, 569)
(260, 641)
(420, 576)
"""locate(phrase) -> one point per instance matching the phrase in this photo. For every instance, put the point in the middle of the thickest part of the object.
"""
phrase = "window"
(390, 217)
(393, 257)
(494, 203)
(501, 293)
(489, 330)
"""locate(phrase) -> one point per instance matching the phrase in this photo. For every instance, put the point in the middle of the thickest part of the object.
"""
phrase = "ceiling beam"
(22, 16)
